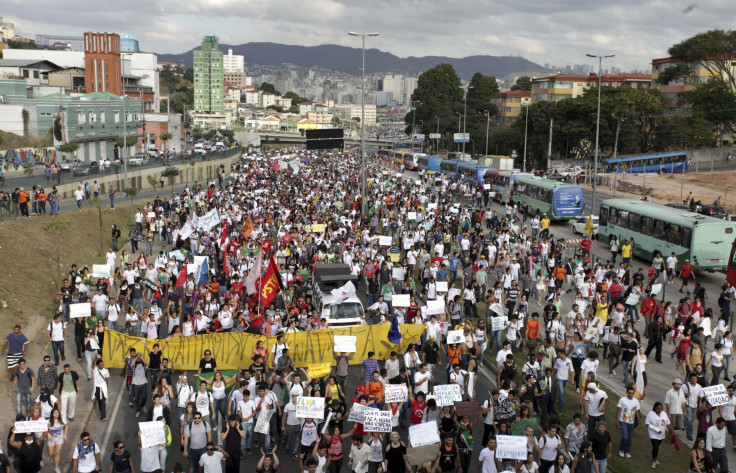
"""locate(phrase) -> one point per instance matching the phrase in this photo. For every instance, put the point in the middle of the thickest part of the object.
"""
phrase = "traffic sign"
(418, 137)
(461, 137)
(435, 136)
(514, 154)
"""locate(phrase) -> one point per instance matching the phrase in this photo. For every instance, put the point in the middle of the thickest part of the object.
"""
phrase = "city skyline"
(557, 34)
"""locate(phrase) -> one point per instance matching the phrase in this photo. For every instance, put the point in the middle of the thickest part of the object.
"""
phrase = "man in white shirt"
(99, 301)
(79, 197)
(715, 444)
(110, 258)
(57, 333)
(247, 412)
(671, 268)
(674, 402)
(562, 369)
(86, 456)
(487, 461)
(211, 461)
(628, 413)
(422, 378)
(594, 405)
(727, 412)
(693, 395)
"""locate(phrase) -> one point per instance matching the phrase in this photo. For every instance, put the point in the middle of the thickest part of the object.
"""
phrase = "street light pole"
(459, 127)
(437, 141)
(526, 127)
(465, 112)
(597, 127)
(488, 122)
(362, 122)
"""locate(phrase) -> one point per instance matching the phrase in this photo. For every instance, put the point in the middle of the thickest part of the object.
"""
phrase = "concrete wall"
(200, 172)
(711, 154)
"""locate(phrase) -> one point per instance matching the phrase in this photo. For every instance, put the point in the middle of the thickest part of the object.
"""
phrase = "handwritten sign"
(716, 395)
(263, 423)
(356, 414)
(411, 216)
(394, 393)
(424, 434)
(385, 240)
(318, 228)
(401, 300)
(317, 370)
(31, 426)
(345, 343)
(209, 220)
(100, 271)
(152, 433)
(498, 323)
(594, 328)
(441, 286)
(455, 336)
(398, 274)
(447, 394)
(310, 407)
(656, 289)
(83, 309)
(467, 408)
(511, 447)
(377, 421)
(435, 307)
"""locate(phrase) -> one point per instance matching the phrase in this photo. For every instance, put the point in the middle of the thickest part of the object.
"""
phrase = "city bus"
(704, 240)
(429, 164)
(450, 167)
(731, 271)
(473, 173)
(557, 200)
(458, 156)
(502, 183)
(411, 160)
(658, 162)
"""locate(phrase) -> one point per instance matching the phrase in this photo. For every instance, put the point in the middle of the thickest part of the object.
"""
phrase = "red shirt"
(585, 244)
(686, 270)
(417, 412)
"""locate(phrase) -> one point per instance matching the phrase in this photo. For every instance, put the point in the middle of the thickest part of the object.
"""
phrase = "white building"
(144, 66)
(232, 63)
(410, 84)
(7, 30)
(305, 108)
(267, 99)
(351, 111)
(253, 97)
(63, 59)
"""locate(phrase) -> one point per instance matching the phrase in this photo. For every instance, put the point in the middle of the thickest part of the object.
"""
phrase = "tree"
(438, 93)
(68, 148)
(189, 74)
(278, 108)
(715, 101)
(130, 193)
(479, 96)
(295, 98)
(180, 99)
(26, 122)
(170, 173)
(28, 168)
(130, 140)
(58, 228)
(153, 183)
(713, 51)
(523, 83)
(165, 137)
(229, 134)
(268, 87)
(97, 202)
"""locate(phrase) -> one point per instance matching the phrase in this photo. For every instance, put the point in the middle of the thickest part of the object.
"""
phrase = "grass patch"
(28, 252)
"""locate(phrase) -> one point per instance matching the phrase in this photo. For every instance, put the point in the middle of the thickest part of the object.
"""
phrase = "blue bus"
(450, 167)
(429, 164)
(557, 200)
(502, 183)
(474, 173)
(658, 162)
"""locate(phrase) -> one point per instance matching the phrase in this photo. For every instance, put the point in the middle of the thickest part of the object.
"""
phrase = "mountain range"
(348, 60)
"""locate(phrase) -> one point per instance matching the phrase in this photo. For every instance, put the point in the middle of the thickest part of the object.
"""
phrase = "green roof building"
(209, 78)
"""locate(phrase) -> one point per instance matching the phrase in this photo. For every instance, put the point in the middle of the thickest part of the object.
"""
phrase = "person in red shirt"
(617, 291)
(686, 273)
(418, 409)
(585, 245)
(648, 308)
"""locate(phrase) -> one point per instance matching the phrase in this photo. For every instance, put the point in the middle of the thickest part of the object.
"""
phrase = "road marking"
(110, 420)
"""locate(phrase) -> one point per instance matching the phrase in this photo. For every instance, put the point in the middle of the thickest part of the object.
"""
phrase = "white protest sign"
(441, 286)
(511, 447)
(716, 395)
(398, 274)
(263, 424)
(498, 323)
(151, 215)
(435, 307)
(31, 426)
(455, 336)
(385, 240)
(345, 343)
(152, 433)
(356, 415)
(209, 220)
(411, 215)
(186, 231)
(394, 393)
(487, 187)
(312, 407)
(633, 299)
(447, 394)
(408, 243)
(656, 289)
(401, 300)
(377, 421)
(83, 309)
(100, 271)
(425, 433)
(497, 309)
(431, 205)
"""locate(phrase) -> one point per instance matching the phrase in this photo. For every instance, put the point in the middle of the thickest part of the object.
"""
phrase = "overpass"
(275, 138)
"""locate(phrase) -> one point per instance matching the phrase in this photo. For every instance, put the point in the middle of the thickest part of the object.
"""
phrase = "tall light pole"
(488, 122)
(526, 127)
(459, 125)
(437, 141)
(597, 127)
(421, 128)
(413, 122)
(465, 112)
(362, 121)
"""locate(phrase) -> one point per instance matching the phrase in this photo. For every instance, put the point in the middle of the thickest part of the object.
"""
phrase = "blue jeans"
(194, 455)
(627, 371)
(19, 397)
(691, 414)
(561, 385)
(404, 415)
(112, 325)
(138, 305)
(139, 397)
(602, 464)
(65, 311)
(627, 434)
(90, 355)
(372, 298)
(220, 408)
(246, 443)
(112, 201)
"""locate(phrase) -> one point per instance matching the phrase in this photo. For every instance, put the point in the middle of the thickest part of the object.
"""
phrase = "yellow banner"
(233, 350)
(317, 370)
(318, 228)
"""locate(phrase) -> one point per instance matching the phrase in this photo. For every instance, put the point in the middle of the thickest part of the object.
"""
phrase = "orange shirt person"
(375, 389)
(532, 327)
(453, 354)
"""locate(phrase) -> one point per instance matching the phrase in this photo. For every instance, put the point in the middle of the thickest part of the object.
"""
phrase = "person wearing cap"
(674, 401)
(686, 273)
(602, 445)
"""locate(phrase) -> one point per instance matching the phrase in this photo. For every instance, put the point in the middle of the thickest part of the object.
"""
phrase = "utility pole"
(465, 113)
(488, 122)
(615, 143)
(144, 144)
(597, 127)
(549, 146)
(526, 127)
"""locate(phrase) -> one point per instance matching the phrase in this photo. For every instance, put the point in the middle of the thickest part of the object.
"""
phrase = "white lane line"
(110, 420)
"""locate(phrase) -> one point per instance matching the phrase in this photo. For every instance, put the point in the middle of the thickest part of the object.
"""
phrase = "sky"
(558, 32)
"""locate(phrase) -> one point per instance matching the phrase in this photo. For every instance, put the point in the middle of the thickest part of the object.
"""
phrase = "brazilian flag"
(226, 374)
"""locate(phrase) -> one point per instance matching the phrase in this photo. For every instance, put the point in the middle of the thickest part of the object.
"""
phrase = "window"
(687, 235)
(35, 74)
(623, 219)
(117, 116)
(603, 218)
(102, 116)
(635, 221)
(660, 230)
(674, 234)
(647, 225)
(81, 118)
(92, 117)
(612, 216)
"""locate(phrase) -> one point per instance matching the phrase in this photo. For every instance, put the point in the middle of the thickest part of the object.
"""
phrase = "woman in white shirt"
(529, 466)
(727, 342)
(716, 362)
(657, 422)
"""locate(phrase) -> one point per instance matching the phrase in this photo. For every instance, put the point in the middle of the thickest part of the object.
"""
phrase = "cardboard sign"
(425, 434)
(317, 370)
(436, 307)
(394, 393)
(455, 336)
(356, 415)
(498, 323)
(411, 216)
(467, 408)
(394, 257)
(421, 455)
(716, 395)
(83, 309)
(656, 289)
(100, 271)
(345, 343)
(408, 243)
(511, 447)
(441, 286)
(312, 407)
(318, 228)
(263, 423)
(401, 300)
(31, 426)
(152, 433)
(497, 309)
(447, 394)
(385, 240)
(397, 273)
(487, 187)
(377, 421)
(594, 328)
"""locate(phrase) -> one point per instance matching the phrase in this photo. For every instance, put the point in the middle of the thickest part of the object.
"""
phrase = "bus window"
(647, 225)
(687, 234)
(603, 217)
(674, 234)
(623, 219)
(612, 217)
(660, 230)
(634, 221)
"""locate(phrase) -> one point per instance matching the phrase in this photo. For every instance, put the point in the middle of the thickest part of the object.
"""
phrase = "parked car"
(154, 153)
(85, 168)
(711, 210)
(138, 160)
(578, 226)
(67, 164)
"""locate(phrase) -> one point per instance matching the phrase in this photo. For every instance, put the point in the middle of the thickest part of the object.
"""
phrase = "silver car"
(138, 160)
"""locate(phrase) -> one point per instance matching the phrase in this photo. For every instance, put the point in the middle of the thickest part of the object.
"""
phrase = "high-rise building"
(232, 63)
(410, 84)
(7, 30)
(102, 62)
(208, 77)
(128, 44)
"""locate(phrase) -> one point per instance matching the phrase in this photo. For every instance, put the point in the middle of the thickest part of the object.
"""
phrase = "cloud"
(559, 32)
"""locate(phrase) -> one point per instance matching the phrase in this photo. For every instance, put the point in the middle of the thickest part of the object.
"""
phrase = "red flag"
(182, 276)
(271, 284)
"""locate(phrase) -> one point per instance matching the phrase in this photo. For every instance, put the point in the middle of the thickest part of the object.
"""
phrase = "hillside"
(347, 60)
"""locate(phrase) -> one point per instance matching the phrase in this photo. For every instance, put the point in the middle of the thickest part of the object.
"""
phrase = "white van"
(349, 312)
